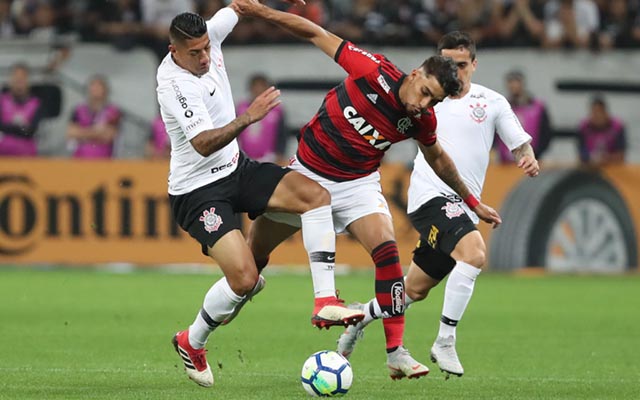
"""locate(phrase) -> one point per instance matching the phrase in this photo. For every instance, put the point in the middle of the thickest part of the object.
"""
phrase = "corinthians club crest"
(212, 221)
(478, 112)
(452, 210)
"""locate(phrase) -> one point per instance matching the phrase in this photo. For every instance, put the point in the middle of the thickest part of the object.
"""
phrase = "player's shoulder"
(481, 92)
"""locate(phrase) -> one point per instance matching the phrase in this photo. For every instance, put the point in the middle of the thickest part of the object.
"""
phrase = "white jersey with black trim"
(466, 129)
(190, 105)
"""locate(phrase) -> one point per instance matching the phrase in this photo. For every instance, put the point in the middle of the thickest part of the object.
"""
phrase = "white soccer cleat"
(256, 289)
(443, 352)
(347, 341)
(194, 360)
(401, 365)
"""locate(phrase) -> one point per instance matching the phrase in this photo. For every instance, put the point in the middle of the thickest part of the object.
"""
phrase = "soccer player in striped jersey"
(449, 242)
(342, 146)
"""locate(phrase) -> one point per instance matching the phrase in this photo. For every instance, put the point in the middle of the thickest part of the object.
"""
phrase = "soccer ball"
(326, 373)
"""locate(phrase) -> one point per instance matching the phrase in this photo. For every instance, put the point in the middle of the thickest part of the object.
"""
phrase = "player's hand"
(247, 8)
(529, 165)
(488, 214)
(264, 103)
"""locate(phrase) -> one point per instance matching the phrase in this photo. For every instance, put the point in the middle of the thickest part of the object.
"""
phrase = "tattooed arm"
(446, 170)
(526, 159)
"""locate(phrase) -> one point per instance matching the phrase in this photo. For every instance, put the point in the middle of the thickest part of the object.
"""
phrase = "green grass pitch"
(67, 334)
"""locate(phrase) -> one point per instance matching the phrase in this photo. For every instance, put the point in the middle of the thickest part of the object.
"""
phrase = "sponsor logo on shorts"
(432, 240)
(397, 298)
(211, 220)
(452, 210)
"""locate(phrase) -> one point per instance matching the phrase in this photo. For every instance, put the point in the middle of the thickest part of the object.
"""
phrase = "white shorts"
(350, 200)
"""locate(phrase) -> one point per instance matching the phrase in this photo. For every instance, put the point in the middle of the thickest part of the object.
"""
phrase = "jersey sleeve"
(508, 126)
(356, 61)
(183, 101)
(429, 123)
(221, 24)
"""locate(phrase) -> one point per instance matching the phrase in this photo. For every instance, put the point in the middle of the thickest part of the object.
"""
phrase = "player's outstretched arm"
(212, 140)
(446, 170)
(526, 159)
(300, 27)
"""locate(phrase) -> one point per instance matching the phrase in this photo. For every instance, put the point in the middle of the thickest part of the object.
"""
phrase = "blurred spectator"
(158, 145)
(20, 114)
(480, 18)
(7, 28)
(156, 18)
(532, 114)
(265, 140)
(616, 26)
(313, 10)
(439, 17)
(120, 23)
(401, 21)
(570, 23)
(94, 125)
(23, 15)
(521, 22)
(601, 137)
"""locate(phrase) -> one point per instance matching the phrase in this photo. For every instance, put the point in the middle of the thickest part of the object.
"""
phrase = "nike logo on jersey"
(212, 92)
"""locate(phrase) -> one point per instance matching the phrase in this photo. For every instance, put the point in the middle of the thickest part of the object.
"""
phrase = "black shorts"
(211, 211)
(441, 223)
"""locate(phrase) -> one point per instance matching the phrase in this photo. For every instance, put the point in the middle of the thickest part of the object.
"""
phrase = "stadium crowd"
(592, 24)
(595, 24)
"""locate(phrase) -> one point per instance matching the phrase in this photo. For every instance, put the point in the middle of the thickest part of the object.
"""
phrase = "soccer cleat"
(195, 361)
(443, 352)
(347, 341)
(331, 311)
(401, 364)
(256, 289)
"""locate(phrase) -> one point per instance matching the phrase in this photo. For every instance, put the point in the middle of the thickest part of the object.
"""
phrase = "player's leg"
(469, 254)
(274, 189)
(375, 233)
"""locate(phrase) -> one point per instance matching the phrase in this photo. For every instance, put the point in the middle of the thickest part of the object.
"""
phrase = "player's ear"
(172, 49)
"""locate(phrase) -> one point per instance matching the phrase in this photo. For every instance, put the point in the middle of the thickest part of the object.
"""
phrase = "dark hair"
(187, 26)
(445, 71)
(456, 40)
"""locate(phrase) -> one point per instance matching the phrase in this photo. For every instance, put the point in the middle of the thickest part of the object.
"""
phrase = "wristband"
(471, 201)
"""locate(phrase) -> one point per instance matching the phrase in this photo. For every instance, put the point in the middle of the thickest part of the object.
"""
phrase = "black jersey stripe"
(391, 70)
(381, 105)
(336, 137)
(319, 150)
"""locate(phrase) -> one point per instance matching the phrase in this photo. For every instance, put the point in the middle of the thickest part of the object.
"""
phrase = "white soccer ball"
(326, 373)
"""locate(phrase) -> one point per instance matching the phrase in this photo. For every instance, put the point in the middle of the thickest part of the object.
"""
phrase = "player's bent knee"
(243, 283)
(477, 258)
(416, 294)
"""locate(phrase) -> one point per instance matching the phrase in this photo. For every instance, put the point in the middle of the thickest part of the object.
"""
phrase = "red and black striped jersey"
(360, 118)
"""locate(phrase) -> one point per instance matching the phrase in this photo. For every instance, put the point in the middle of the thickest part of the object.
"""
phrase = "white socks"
(457, 294)
(219, 303)
(320, 242)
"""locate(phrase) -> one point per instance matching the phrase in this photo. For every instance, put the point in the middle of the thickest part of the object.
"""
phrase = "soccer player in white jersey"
(449, 242)
(211, 181)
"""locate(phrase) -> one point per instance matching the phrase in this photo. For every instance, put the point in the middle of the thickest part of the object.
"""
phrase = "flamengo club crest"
(404, 124)
(478, 112)
(452, 210)
(212, 221)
